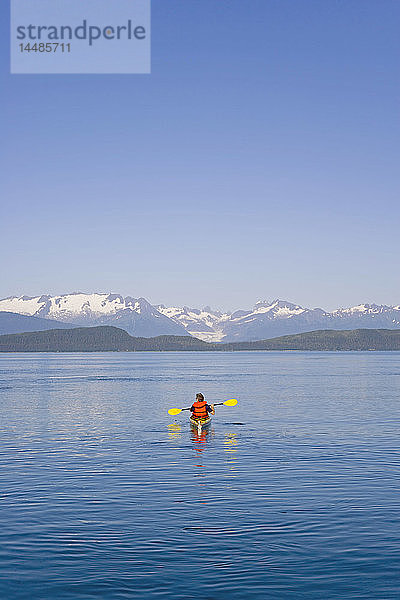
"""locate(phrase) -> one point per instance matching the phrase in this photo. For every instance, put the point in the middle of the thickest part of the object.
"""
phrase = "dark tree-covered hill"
(108, 339)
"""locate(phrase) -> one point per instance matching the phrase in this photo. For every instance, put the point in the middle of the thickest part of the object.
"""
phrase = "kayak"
(200, 424)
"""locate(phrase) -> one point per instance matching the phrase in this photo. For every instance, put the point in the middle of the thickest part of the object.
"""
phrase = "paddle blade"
(230, 402)
(174, 411)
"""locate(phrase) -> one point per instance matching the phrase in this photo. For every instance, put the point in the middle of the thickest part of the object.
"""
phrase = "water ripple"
(293, 494)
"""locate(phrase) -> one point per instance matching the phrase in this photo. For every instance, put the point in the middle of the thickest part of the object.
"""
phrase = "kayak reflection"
(199, 438)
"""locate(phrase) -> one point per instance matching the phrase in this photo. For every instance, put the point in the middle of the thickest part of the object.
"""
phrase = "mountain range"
(138, 317)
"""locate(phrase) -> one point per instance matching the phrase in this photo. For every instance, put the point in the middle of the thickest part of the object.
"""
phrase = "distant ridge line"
(114, 339)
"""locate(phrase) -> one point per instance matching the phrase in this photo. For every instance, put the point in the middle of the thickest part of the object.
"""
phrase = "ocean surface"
(293, 494)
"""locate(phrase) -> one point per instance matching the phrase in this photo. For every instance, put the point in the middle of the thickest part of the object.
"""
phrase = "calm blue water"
(294, 493)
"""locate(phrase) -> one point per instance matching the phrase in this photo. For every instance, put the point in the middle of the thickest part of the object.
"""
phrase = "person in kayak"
(200, 409)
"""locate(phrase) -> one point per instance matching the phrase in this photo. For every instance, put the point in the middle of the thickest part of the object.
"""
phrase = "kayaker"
(200, 408)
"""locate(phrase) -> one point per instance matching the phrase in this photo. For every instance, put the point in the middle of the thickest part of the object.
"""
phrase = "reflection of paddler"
(199, 437)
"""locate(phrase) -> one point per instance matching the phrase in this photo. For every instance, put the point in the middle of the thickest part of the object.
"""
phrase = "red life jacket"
(200, 410)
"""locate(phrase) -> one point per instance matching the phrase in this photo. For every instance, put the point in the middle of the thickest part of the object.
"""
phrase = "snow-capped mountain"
(266, 319)
(272, 319)
(139, 318)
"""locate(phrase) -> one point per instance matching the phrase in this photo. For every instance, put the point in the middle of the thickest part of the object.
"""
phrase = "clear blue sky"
(260, 159)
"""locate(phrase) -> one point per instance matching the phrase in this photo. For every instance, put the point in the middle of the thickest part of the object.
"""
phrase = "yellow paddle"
(176, 411)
